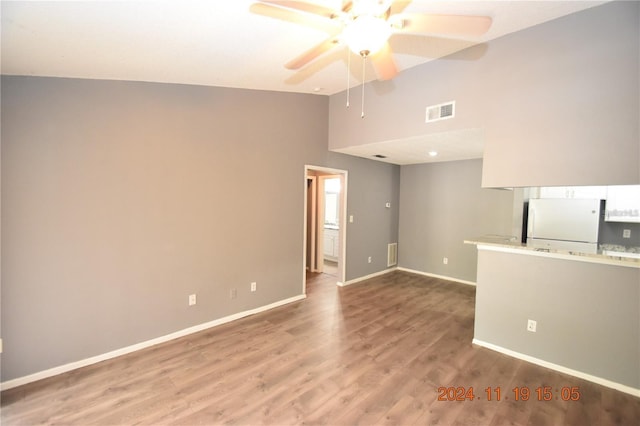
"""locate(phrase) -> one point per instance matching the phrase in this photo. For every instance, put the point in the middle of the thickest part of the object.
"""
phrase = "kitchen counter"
(607, 253)
(585, 308)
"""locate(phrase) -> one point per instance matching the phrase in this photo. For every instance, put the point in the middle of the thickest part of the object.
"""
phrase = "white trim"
(142, 345)
(341, 219)
(304, 231)
(320, 218)
(399, 268)
(342, 232)
(314, 211)
(442, 277)
(327, 170)
(595, 379)
(366, 277)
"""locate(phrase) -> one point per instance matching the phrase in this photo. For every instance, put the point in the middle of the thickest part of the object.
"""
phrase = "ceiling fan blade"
(327, 25)
(441, 24)
(302, 6)
(398, 6)
(437, 47)
(319, 64)
(384, 64)
(312, 54)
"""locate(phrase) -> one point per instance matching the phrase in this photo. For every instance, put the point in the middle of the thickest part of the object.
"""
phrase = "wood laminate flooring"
(375, 352)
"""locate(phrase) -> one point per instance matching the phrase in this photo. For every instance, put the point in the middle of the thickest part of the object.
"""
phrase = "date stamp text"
(518, 393)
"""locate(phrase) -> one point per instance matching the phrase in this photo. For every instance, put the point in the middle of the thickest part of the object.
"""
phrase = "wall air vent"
(392, 254)
(441, 111)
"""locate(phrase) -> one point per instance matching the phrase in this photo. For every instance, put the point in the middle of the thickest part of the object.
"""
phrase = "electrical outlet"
(192, 299)
(626, 233)
(531, 326)
(254, 286)
(369, 259)
(233, 293)
(445, 260)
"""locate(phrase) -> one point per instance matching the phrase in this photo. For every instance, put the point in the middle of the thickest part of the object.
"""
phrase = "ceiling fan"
(365, 26)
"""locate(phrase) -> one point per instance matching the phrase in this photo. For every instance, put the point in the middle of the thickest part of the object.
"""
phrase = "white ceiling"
(221, 43)
(463, 144)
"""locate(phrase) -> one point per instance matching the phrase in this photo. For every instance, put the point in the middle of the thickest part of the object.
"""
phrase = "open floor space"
(376, 352)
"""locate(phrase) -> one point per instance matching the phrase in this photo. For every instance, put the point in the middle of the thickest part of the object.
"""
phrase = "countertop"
(607, 253)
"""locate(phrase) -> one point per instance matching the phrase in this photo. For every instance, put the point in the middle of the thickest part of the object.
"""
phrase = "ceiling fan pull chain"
(348, 72)
(364, 63)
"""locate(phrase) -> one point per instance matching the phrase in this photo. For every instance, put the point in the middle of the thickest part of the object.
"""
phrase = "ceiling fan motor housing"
(366, 33)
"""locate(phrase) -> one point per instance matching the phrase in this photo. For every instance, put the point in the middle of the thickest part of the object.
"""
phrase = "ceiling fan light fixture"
(366, 34)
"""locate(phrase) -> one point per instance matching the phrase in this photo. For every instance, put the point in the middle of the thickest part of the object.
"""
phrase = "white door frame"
(312, 211)
(320, 217)
(342, 232)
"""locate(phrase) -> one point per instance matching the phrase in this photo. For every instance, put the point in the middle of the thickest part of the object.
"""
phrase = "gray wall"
(441, 205)
(120, 199)
(558, 102)
(611, 233)
(371, 185)
(588, 315)
(565, 105)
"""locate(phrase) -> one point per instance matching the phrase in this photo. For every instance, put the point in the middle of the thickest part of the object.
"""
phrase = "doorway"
(325, 212)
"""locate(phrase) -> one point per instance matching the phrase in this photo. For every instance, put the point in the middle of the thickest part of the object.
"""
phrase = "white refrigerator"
(564, 224)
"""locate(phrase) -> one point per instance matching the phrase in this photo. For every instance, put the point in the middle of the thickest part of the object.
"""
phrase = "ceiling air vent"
(441, 111)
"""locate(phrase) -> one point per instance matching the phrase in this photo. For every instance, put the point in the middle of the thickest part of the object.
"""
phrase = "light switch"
(350, 218)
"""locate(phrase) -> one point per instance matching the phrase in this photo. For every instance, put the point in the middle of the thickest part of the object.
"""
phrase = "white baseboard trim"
(560, 368)
(142, 345)
(366, 277)
(442, 277)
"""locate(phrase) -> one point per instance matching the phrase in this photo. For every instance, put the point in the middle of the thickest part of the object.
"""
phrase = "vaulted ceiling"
(220, 43)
